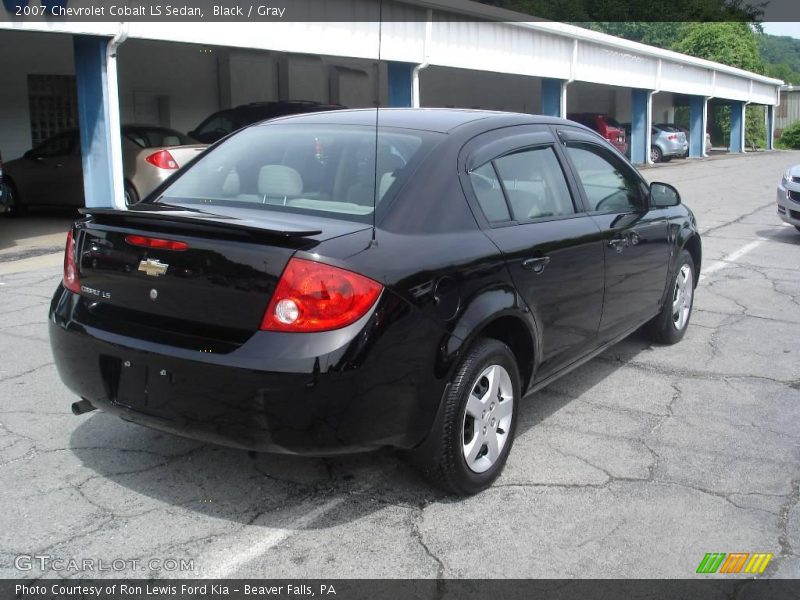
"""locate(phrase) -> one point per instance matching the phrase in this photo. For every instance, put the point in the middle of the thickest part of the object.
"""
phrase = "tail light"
(148, 242)
(311, 296)
(672, 137)
(71, 281)
(163, 160)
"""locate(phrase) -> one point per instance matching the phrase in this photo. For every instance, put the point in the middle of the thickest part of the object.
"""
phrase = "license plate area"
(138, 385)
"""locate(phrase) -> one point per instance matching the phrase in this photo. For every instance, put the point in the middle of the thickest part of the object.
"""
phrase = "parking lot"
(634, 465)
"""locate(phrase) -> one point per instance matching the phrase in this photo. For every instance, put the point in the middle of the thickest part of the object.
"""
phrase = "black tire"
(441, 458)
(131, 195)
(656, 155)
(664, 328)
(16, 208)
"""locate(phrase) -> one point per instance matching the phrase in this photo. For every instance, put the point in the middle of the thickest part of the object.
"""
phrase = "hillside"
(781, 57)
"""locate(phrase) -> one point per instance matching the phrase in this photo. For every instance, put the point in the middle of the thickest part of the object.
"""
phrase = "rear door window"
(490, 194)
(534, 184)
(522, 186)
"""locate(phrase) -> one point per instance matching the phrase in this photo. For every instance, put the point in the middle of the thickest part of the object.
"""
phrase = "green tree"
(790, 138)
(733, 44)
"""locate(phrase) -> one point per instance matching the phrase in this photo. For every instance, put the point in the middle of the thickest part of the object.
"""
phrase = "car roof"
(441, 120)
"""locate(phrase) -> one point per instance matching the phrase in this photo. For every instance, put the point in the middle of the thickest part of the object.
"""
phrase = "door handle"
(537, 264)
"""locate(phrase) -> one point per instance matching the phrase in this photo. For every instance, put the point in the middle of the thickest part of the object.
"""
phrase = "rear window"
(327, 170)
(156, 137)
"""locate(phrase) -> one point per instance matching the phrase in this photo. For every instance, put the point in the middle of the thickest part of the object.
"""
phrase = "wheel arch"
(514, 333)
(694, 246)
(498, 314)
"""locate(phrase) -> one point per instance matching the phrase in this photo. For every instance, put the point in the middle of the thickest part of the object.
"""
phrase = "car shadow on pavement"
(784, 235)
(162, 469)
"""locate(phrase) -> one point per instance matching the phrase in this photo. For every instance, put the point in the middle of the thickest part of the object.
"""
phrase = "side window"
(608, 187)
(535, 184)
(490, 194)
(218, 123)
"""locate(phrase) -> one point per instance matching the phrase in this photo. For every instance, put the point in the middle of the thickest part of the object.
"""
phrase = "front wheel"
(670, 325)
(469, 445)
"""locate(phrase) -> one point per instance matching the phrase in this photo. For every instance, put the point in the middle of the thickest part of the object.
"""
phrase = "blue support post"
(93, 117)
(400, 84)
(551, 97)
(737, 127)
(697, 126)
(640, 126)
(770, 127)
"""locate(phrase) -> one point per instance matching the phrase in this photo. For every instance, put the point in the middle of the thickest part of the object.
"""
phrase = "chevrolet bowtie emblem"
(153, 267)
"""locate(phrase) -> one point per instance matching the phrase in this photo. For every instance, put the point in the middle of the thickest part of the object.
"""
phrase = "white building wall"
(789, 110)
(26, 53)
(664, 107)
(187, 74)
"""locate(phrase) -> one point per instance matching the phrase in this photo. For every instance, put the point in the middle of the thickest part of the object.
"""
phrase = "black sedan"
(319, 285)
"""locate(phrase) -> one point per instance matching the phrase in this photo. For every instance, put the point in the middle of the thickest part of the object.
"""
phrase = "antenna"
(377, 120)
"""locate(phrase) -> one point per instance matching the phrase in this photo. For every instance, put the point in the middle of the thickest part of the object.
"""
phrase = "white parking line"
(726, 260)
(268, 537)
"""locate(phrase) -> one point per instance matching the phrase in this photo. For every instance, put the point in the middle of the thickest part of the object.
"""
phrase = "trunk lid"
(217, 288)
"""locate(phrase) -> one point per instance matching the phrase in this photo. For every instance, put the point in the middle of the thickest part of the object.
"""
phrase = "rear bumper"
(675, 149)
(317, 394)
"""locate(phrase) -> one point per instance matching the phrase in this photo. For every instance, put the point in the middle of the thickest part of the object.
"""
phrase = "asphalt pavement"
(635, 465)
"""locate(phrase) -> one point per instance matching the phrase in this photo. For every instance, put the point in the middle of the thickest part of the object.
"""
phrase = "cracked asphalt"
(634, 465)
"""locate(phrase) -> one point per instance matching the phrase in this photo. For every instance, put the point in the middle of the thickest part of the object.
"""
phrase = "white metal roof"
(497, 40)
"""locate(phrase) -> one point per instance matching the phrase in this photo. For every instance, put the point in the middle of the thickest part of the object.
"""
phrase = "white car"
(789, 196)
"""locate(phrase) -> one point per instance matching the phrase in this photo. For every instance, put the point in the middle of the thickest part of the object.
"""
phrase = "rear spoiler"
(201, 218)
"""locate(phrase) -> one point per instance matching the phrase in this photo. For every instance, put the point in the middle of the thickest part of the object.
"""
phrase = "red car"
(605, 125)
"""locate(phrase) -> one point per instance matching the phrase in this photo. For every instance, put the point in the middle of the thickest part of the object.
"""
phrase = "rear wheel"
(655, 154)
(670, 325)
(131, 196)
(468, 447)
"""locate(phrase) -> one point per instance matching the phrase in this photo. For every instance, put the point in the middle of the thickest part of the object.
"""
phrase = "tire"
(16, 208)
(131, 196)
(458, 455)
(671, 324)
(797, 227)
(655, 154)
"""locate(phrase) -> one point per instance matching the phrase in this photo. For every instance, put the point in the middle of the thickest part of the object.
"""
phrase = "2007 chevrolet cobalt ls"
(319, 285)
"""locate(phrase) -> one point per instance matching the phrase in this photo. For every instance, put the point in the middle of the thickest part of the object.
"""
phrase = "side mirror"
(29, 155)
(663, 195)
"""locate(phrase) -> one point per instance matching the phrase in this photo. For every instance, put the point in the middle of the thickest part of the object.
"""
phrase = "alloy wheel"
(682, 297)
(487, 419)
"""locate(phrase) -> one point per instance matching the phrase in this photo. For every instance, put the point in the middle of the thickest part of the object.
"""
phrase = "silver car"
(52, 175)
(789, 196)
(667, 143)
